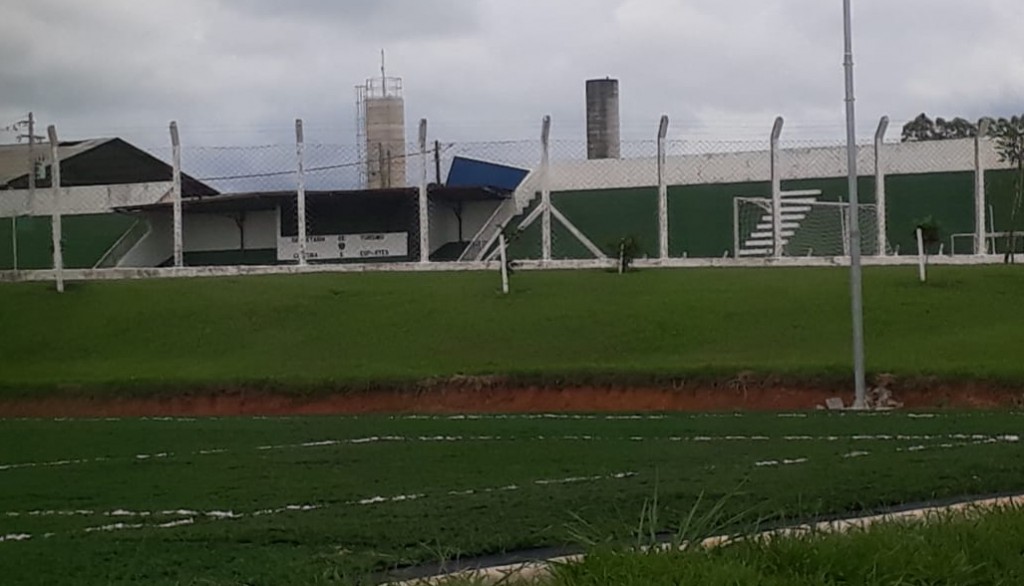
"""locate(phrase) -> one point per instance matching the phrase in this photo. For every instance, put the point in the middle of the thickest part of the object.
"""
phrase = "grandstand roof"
(96, 161)
(14, 158)
(268, 200)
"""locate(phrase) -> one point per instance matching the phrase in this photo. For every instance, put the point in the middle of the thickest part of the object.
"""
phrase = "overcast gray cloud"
(238, 72)
(369, 19)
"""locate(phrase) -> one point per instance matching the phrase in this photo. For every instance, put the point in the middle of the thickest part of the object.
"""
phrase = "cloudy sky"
(240, 71)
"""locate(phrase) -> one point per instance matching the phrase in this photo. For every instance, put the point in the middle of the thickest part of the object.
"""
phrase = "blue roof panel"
(475, 173)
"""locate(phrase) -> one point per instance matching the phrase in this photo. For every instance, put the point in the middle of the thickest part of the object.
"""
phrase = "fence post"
(176, 195)
(776, 173)
(545, 188)
(424, 199)
(844, 226)
(14, 241)
(504, 263)
(880, 198)
(735, 228)
(31, 185)
(300, 192)
(922, 256)
(56, 229)
(980, 236)
(662, 191)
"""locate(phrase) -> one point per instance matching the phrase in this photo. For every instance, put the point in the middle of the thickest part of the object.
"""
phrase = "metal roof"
(263, 200)
(266, 200)
(14, 158)
(466, 172)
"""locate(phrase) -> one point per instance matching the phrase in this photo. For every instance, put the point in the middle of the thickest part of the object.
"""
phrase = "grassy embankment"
(339, 332)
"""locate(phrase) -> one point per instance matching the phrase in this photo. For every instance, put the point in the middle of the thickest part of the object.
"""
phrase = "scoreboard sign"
(345, 246)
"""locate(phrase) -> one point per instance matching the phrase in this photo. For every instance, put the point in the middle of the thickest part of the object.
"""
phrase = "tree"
(918, 129)
(924, 128)
(931, 239)
(627, 249)
(931, 233)
(955, 128)
(1009, 135)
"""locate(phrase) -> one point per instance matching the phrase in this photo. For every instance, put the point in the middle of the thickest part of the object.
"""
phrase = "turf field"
(333, 500)
(352, 330)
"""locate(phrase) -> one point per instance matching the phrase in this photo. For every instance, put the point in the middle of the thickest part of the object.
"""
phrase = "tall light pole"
(30, 122)
(856, 279)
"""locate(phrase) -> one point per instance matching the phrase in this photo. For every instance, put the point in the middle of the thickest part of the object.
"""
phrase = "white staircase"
(795, 207)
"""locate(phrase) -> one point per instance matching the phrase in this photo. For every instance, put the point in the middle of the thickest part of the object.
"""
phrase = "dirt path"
(461, 398)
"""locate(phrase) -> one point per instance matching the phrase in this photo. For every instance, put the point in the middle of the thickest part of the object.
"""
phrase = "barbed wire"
(16, 127)
(283, 173)
(567, 128)
(314, 169)
(510, 152)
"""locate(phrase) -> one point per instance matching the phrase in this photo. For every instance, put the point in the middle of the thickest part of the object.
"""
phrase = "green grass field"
(352, 330)
(332, 500)
(302, 501)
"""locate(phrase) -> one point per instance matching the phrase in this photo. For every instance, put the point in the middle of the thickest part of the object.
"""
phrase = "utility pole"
(31, 155)
(856, 287)
(437, 162)
(31, 180)
(30, 122)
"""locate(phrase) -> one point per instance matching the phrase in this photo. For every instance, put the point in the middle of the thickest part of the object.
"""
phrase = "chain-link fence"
(80, 212)
(448, 201)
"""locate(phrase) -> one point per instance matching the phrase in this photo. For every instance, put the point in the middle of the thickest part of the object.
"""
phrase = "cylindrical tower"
(382, 128)
(603, 118)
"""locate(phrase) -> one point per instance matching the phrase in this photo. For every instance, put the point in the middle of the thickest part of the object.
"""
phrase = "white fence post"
(980, 236)
(424, 199)
(735, 228)
(504, 263)
(179, 246)
(662, 191)
(545, 188)
(776, 173)
(922, 257)
(56, 229)
(14, 239)
(300, 193)
(844, 226)
(881, 210)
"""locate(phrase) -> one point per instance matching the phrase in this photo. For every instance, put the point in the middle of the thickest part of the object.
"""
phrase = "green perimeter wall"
(700, 219)
(999, 190)
(86, 239)
(701, 216)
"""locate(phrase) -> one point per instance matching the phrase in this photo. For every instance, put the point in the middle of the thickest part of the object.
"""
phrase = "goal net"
(809, 227)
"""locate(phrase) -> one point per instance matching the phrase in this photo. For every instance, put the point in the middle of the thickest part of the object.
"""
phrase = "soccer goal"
(809, 227)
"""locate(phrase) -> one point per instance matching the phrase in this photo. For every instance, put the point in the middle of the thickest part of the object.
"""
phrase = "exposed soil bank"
(463, 397)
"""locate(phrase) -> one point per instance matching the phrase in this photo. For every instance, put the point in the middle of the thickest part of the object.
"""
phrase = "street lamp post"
(856, 285)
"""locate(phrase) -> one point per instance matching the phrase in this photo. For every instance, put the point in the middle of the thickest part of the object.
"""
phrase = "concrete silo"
(603, 118)
(381, 132)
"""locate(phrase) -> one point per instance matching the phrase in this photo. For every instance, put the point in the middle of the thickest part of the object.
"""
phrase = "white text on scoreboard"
(345, 246)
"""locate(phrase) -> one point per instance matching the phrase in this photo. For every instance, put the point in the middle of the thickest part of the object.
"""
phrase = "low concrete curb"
(114, 274)
(535, 570)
